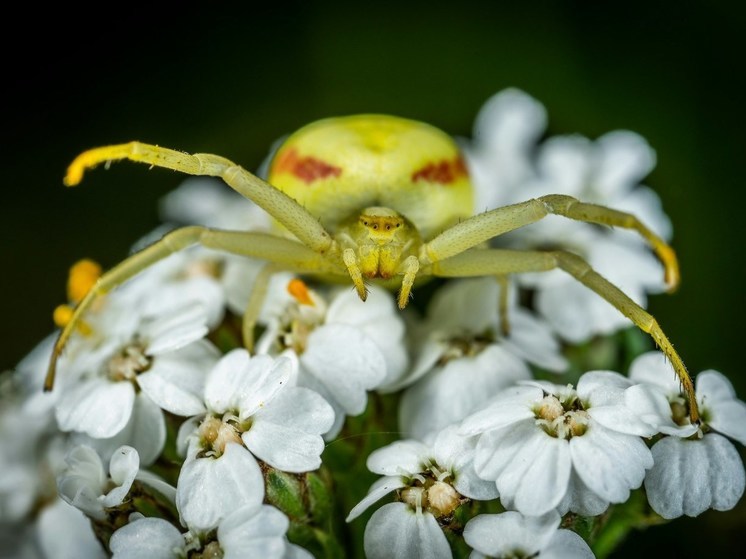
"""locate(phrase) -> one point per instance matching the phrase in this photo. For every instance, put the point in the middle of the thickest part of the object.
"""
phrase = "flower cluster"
(473, 413)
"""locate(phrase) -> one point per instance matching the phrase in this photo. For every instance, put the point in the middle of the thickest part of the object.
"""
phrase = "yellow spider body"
(372, 198)
(337, 166)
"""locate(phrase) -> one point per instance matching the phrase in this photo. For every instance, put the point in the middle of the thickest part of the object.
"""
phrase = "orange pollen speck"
(299, 291)
(444, 171)
(82, 277)
(308, 169)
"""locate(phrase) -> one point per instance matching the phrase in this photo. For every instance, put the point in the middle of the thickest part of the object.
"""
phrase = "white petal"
(287, 434)
(176, 329)
(654, 368)
(64, 532)
(510, 533)
(624, 158)
(124, 465)
(82, 481)
(691, 476)
(531, 469)
(536, 479)
(510, 118)
(347, 362)
(729, 419)
(450, 393)
(226, 381)
(566, 544)
(581, 500)
(624, 420)
(649, 404)
(465, 306)
(532, 339)
(209, 489)
(610, 463)
(147, 537)
(713, 386)
(145, 431)
(175, 385)
(505, 411)
(241, 382)
(396, 532)
(97, 407)
(254, 531)
(378, 490)
(602, 388)
(398, 458)
(429, 353)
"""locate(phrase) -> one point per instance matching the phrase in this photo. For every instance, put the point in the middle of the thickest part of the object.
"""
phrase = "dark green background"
(231, 79)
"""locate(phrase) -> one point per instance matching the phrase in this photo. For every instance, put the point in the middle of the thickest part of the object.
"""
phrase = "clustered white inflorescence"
(493, 452)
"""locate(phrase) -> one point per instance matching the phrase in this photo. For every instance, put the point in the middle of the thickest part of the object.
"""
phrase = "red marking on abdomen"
(445, 171)
(307, 169)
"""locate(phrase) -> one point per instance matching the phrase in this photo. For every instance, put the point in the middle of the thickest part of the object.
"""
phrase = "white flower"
(693, 473)
(543, 448)
(255, 530)
(250, 409)
(161, 356)
(464, 359)
(510, 534)
(343, 350)
(431, 479)
(84, 484)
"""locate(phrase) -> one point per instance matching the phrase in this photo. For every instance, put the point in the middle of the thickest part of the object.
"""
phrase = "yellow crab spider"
(372, 198)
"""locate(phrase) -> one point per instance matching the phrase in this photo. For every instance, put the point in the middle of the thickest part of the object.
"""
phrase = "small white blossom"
(464, 359)
(543, 448)
(162, 357)
(85, 485)
(250, 409)
(693, 472)
(344, 349)
(431, 479)
(510, 535)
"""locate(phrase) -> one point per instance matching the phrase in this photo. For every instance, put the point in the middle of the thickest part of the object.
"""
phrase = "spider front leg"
(285, 253)
(482, 262)
(480, 228)
(278, 204)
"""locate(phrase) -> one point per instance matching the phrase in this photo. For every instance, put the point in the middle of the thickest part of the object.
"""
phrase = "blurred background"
(231, 79)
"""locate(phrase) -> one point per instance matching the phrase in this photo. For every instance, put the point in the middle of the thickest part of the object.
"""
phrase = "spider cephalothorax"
(373, 198)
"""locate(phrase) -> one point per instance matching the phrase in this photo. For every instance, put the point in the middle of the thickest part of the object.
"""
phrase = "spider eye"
(398, 224)
(365, 223)
(388, 227)
(375, 226)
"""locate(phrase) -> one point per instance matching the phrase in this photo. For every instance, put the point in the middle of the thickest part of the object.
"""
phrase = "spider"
(372, 198)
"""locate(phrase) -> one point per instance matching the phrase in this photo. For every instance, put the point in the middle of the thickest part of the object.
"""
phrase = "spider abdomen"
(335, 167)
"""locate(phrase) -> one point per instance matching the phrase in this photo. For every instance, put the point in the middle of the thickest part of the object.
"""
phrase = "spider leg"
(502, 279)
(350, 260)
(482, 227)
(254, 304)
(285, 253)
(409, 269)
(480, 262)
(278, 204)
